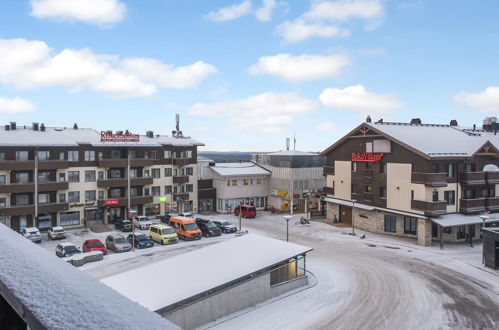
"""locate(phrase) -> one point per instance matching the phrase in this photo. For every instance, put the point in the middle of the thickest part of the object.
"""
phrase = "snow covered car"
(66, 250)
(225, 226)
(32, 233)
(56, 233)
(208, 228)
(117, 243)
(142, 222)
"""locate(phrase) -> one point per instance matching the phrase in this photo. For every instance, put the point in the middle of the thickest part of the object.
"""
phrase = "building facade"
(69, 176)
(297, 178)
(425, 181)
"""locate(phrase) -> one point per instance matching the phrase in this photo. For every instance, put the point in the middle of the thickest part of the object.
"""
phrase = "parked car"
(141, 241)
(117, 243)
(186, 214)
(66, 250)
(208, 228)
(123, 224)
(185, 228)
(142, 222)
(56, 233)
(94, 245)
(247, 211)
(225, 226)
(163, 234)
(166, 218)
(32, 233)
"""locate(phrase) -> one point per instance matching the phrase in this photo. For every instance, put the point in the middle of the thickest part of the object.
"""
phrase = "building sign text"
(366, 157)
(108, 136)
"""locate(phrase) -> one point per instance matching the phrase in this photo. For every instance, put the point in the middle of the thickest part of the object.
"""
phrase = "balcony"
(183, 161)
(492, 177)
(141, 162)
(52, 164)
(472, 178)
(472, 205)
(8, 165)
(123, 201)
(429, 179)
(180, 179)
(123, 182)
(328, 170)
(27, 187)
(328, 190)
(30, 209)
(120, 162)
(52, 186)
(492, 204)
(430, 208)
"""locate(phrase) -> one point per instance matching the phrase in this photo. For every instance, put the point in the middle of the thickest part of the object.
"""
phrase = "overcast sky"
(244, 75)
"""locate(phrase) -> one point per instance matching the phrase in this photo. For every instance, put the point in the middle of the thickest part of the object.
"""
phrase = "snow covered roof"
(202, 269)
(74, 299)
(59, 136)
(239, 169)
(292, 153)
(457, 219)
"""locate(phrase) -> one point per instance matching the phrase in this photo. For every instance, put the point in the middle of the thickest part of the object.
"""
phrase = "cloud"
(98, 12)
(486, 101)
(31, 64)
(15, 105)
(231, 12)
(325, 18)
(300, 68)
(267, 112)
(358, 99)
(264, 14)
(325, 127)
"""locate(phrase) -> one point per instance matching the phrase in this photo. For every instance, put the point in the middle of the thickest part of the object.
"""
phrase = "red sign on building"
(111, 202)
(366, 157)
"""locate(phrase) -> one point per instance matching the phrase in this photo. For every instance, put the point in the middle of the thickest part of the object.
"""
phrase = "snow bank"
(63, 297)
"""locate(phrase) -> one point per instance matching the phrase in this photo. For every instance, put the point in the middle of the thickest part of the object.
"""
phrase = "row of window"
(410, 224)
(369, 166)
(246, 182)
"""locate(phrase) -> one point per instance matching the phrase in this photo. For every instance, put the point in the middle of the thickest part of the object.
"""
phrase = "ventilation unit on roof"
(453, 122)
(415, 121)
(368, 119)
(35, 126)
(490, 124)
(42, 127)
(7, 127)
(13, 125)
(75, 126)
(150, 134)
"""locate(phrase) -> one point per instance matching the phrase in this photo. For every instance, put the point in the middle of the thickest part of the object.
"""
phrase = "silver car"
(117, 243)
(56, 233)
(32, 233)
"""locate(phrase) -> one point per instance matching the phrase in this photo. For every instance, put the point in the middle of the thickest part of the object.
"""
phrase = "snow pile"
(61, 296)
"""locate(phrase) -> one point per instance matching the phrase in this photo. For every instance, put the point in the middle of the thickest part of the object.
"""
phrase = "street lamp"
(287, 217)
(484, 218)
(353, 217)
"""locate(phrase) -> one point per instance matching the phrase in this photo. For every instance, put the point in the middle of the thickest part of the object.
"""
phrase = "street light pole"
(240, 215)
(128, 190)
(287, 217)
(353, 217)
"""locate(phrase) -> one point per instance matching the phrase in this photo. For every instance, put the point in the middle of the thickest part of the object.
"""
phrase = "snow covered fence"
(47, 293)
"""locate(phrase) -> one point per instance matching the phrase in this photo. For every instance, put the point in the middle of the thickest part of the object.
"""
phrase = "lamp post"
(484, 218)
(240, 215)
(353, 217)
(287, 217)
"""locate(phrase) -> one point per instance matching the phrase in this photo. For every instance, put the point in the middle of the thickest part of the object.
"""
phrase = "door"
(345, 214)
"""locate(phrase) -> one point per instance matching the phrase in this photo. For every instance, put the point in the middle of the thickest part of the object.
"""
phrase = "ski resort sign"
(109, 136)
(366, 157)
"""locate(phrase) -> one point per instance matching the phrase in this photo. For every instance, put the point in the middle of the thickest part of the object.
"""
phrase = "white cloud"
(31, 64)
(325, 19)
(99, 12)
(264, 14)
(300, 68)
(326, 126)
(358, 99)
(267, 112)
(230, 13)
(486, 101)
(15, 105)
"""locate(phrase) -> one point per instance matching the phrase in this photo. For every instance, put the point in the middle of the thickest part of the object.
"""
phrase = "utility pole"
(287, 217)
(128, 195)
(240, 215)
(35, 198)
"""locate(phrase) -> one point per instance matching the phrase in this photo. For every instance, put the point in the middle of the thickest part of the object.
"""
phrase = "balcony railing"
(329, 190)
(27, 187)
(17, 165)
(123, 162)
(472, 205)
(430, 179)
(181, 179)
(492, 204)
(472, 178)
(52, 164)
(30, 209)
(328, 170)
(492, 177)
(430, 208)
(123, 182)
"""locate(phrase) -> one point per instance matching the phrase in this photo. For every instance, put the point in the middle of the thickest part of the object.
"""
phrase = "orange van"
(185, 228)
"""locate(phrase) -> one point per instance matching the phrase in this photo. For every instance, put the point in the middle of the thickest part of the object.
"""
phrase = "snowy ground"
(380, 282)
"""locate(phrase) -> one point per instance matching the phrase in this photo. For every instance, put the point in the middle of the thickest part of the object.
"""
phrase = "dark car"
(66, 250)
(141, 241)
(208, 228)
(166, 218)
(123, 224)
(225, 226)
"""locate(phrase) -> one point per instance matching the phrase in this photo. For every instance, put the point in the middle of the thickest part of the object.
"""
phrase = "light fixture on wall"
(398, 188)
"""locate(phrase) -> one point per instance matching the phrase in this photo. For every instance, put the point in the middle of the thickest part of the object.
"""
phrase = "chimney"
(474, 127)
(75, 126)
(453, 122)
(35, 126)
(127, 132)
(7, 127)
(150, 134)
(42, 127)
(415, 121)
(13, 125)
(368, 119)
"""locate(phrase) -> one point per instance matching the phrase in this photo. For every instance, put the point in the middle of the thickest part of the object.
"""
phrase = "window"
(468, 193)
(3, 202)
(382, 192)
(100, 155)
(434, 167)
(469, 167)
(133, 173)
(43, 155)
(146, 154)
(74, 197)
(188, 154)
(354, 188)
(115, 173)
(155, 191)
(261, 181)
(381, 146)
(70, 218)
(189, 171)
(44, 176)
(450, 197)
(62, 177)
(410, 225)
(115, 192)
(354, 166)
(382, 168)
(115, 154)
(168, 154)
(62, 198)
(2, 156)
(369, 147)
(168, 189)
(390, 223)
(188, 187)
(412, 194)
(175, 172)
(74, 176)
(245, 182)
(62, 156)
(89, 156)
(2, 179)
(90, 196)
(156, 173)
(101, 175)
(21, 155)
(435, 196)
(233, 182)
(73, 156)
(101, 194)
(146, 174)
(168, 172)
(154, 155)
(89, 176)
(146, 191)
(22, 199)
(450, 170)
(22, 177)
(43, 198)
(368, 188)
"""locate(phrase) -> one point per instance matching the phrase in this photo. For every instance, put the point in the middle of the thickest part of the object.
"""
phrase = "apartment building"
(66, 176)
(426, 181)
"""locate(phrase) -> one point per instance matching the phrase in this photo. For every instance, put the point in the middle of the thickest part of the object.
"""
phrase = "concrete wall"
(241, 191)
(399, 187)
(342, 180)
(281, 288)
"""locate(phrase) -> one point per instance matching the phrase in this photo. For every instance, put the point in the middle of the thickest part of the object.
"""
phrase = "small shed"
(491, 247)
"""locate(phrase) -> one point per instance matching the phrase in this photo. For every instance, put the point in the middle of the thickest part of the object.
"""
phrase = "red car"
(247, 211)
(94, 245)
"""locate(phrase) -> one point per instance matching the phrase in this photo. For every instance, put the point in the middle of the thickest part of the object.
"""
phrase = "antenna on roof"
(294, 140)
(287, 143)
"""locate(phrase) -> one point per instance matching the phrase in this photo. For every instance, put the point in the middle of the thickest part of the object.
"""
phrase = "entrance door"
(346, 214)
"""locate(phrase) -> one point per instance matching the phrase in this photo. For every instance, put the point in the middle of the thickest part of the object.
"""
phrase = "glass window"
(21, 155)
(382, 167)
(450, 170)
(155, 191)
(134, 192)
(3, 202)
(189, 171)
(89, 176)
(168, 172)
(354, 188)
(89, 195)
(146, 154)
(410, 225)
(70, 218)
(73, 156)
(168, 189)
(115, 154)
(168, 154)
(189, 188)
(3, 220)
(101, 194)
(115, 192)
(62, 177)
(2, 156)
(44, 176)
(62, 156)
(74, 196)
(43, 198)
(469, 167)
(22, 177)
(156, 173)
(435, 196)
(245, 182)
(450, 197)
(2, 179)
(188, 154)
(133, 173)
(43, 155)
(62, 198)
(22, 199)
(354, 166)
(435, 167)
(89, 155)
(101, 175)
(115, 173)
(74, 176)
(382, 192)
(390, 223)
